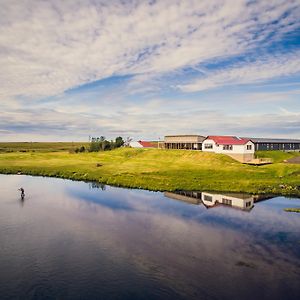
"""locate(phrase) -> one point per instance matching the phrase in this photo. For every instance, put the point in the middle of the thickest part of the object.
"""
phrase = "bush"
(100, 144)
(95, 147)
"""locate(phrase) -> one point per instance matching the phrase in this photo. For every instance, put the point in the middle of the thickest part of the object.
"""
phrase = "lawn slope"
(156, 169)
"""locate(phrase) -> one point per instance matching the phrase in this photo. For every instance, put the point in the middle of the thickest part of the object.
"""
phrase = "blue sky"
(144, 69)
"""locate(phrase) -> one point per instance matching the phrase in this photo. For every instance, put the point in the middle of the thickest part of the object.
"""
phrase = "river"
(77, 240)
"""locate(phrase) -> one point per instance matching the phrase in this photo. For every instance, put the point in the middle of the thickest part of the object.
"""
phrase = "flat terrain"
(156, 169)
(294, 160)
(35, 146)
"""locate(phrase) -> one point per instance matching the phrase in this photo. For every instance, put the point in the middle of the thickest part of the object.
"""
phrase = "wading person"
(22, 193)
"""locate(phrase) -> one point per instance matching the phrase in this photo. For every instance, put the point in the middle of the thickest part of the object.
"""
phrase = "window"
(208, 146)
(227, 147)
(208, 198)
(249, 147)
(248, 204)
(226, 201)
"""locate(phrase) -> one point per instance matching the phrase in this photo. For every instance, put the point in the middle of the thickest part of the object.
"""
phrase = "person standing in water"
(22, 193)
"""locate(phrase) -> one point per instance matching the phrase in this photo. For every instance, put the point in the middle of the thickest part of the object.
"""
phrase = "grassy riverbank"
(159, 170)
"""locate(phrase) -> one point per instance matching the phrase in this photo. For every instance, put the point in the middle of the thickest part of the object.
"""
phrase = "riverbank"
(163, 170)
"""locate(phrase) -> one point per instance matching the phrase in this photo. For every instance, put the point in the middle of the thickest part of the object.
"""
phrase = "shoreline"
(159, 170)
(116, 185)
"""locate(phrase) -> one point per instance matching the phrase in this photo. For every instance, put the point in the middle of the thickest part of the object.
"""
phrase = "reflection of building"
(208, 199)
(189, 197)
(242, 201)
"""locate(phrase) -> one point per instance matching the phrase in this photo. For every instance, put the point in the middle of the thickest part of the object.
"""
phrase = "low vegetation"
(41, 147)
(297, 210)
(156, 169)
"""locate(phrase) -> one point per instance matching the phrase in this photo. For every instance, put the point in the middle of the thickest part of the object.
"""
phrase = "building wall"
(135, 145)
(246, 157)
(184, 139)
(277, 146)
(185, 146)
(236, 149)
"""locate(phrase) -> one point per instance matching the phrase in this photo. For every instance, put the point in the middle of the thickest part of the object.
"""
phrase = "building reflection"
(97, 185)
(240, 201)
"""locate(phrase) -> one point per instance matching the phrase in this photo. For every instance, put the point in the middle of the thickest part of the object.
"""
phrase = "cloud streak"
(48, 47)
(263, 69)
(74, 68)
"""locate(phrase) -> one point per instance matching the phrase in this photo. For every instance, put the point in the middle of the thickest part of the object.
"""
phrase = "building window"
(208, 198)
(227, 147)
(208, 146)
(226, 201)
(248, 204)
(249, 147)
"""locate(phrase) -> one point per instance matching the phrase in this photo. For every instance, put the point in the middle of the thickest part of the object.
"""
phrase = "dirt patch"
(294, 160)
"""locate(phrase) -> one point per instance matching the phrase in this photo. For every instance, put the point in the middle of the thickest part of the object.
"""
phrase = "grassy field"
(156, 169)
(40, 147)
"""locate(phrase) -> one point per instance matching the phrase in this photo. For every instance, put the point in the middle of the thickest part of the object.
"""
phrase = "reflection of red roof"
(228, 140)
(146, 144)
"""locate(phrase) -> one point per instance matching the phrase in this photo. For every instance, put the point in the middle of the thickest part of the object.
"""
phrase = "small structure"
(262, 144)
(240, 149)
(186, 142)
(141, 144)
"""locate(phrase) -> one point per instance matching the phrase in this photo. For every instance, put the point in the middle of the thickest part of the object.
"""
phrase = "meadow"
(155, 169)
(40, 147)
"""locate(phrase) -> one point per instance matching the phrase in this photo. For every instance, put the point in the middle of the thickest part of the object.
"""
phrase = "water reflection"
(97, 185)
(73, 240)
(240, 201)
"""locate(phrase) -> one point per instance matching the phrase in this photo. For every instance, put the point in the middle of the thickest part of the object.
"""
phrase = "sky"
(144, 69)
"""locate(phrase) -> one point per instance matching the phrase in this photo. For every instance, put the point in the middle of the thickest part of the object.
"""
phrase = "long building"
(188, 142)
(263, 144)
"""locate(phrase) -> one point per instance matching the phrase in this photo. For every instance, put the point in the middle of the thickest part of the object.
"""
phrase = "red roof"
(228, 140)
(146, 144)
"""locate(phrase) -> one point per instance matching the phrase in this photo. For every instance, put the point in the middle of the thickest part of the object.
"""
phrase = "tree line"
(101, 144)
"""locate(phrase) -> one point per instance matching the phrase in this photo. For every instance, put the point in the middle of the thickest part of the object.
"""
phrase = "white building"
(141, 144)
(240, 149)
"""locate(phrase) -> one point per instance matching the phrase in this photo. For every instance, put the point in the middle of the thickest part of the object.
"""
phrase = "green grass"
(297, 210)
(156, 169)
(277, 156)
(36, 146)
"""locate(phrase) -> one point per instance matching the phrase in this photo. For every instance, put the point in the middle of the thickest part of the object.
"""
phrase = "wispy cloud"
(48, 47)
(74, 68)
(261, 70)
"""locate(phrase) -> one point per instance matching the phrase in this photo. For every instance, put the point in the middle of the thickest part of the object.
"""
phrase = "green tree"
(119, 142)
(95, 146)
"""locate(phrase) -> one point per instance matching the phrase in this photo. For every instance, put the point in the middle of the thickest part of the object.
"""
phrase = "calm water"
(74, 240)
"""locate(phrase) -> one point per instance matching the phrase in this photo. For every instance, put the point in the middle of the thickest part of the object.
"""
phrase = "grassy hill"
(277, 156)
(156, 169)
